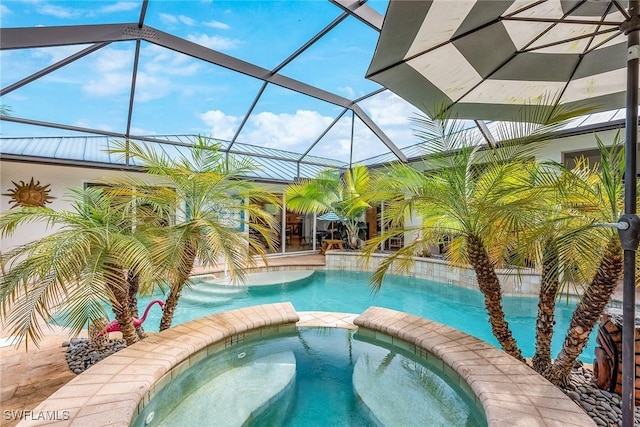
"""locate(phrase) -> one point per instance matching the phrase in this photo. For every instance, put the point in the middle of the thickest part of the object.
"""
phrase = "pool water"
(335, 372)
(349, 292)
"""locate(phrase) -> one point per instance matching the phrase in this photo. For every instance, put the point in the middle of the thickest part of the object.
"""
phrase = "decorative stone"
(602, 406)
(587, 406)
(81, 354)
(573, 395)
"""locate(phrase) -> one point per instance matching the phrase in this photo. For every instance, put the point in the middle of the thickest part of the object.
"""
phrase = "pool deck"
(27, 378)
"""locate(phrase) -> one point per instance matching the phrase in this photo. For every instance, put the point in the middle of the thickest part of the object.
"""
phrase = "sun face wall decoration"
(31, 194)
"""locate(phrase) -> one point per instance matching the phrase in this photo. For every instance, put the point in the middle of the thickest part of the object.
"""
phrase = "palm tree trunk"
(489, 285)
(549, 285)
(184, 271)
(117, 282)
(134, 286)
(587, 313)
(352, 234)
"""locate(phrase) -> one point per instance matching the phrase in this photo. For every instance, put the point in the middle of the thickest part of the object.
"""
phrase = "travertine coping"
(113, 391)
(510, 393)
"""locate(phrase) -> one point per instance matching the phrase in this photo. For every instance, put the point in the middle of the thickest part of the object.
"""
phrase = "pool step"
(205, 299)
(426, 400)
(207, 289)
(240, 395)
(261, 279)
(203, 292)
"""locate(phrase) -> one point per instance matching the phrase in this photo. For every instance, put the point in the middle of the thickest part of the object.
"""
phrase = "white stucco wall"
(60, 180)
(555, 148)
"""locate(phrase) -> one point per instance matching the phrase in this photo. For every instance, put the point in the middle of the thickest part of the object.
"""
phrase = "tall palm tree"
(332, 191)
(597, 192)
(480, 199)
(213, 202)
(75, 269)
(556, 243)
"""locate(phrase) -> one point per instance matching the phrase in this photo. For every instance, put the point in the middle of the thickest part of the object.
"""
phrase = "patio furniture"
(329, 244)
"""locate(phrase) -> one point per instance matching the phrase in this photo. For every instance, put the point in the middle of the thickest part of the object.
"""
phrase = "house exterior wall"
(60, 179)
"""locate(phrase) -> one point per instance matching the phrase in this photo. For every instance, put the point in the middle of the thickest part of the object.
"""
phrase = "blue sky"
(177, 94)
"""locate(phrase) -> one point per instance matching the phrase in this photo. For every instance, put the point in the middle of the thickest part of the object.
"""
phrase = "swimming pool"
(349, 292)
(315, 377)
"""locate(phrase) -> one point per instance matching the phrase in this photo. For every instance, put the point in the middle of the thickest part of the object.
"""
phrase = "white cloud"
(222, 126)
(347, 91)
(141, 131)
(112, 69)
(113, 73)
(58, 11)
(164, 61)
(54, 54)
(186, 20)
(109, 84)
(388, 109)
(172, 68)
(217, 24)
(173, 19)
(213, 42)
(336, 144)
(286, 130)
(168, 19)
(150, 87)
(4, 10)
(296, 132)
(113, 60)
(121, 6)
(392, 114)
(16, 97)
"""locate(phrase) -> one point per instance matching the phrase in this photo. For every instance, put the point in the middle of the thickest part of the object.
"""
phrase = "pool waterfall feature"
(118, 389)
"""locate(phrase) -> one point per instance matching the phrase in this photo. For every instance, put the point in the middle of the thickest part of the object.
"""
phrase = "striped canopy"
(330, 216)
(486, 59)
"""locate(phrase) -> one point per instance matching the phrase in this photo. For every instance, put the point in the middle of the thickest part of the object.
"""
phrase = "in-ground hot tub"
(313, 376)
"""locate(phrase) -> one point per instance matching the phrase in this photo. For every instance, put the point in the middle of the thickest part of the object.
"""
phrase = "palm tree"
(209, 195)
(597, 193)
(480, 199)
(334, 192)
(76, 269)
(556, 243)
